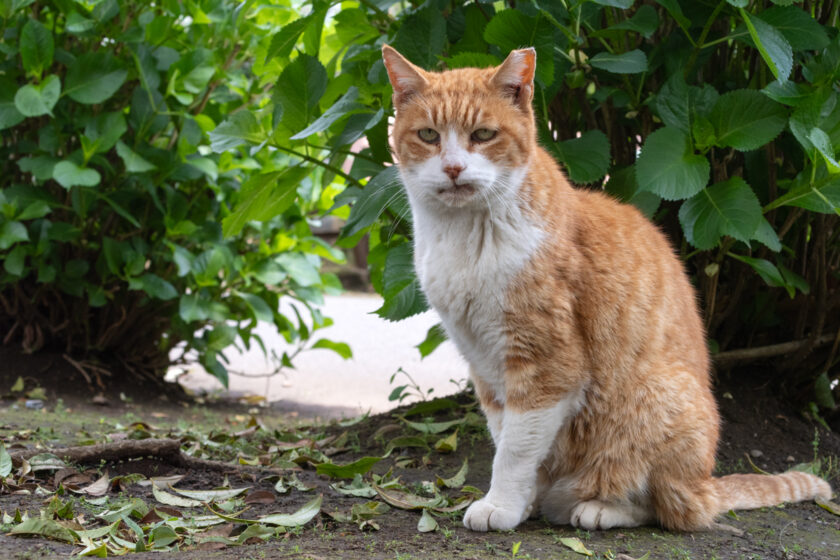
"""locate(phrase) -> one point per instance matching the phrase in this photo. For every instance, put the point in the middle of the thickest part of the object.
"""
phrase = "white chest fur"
(466, 260)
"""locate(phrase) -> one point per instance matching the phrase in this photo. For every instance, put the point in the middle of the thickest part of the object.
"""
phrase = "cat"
(581, 328)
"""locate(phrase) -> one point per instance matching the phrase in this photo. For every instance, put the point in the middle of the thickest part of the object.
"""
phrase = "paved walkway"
(324, 383)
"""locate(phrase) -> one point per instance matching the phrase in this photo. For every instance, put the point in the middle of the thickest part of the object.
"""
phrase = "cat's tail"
(750, 491)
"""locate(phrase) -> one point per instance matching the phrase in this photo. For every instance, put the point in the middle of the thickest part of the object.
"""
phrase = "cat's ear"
(515, 77)
(406, 78)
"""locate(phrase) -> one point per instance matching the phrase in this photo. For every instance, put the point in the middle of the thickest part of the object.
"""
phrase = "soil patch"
(756, 424)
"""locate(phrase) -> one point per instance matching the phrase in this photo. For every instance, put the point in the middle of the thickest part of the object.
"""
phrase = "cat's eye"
(483, 135)
(428, 135)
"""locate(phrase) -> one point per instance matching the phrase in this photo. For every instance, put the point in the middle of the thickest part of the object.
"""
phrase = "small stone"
(790, 459)
(34, 404)
(755, 453)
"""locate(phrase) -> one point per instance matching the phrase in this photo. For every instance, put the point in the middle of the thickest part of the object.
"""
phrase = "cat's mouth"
(457, 193)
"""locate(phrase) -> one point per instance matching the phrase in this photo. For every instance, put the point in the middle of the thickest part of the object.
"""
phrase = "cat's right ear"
(515, 77)
(406, 78)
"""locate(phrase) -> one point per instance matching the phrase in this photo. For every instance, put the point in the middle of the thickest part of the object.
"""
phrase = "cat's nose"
(453, 171)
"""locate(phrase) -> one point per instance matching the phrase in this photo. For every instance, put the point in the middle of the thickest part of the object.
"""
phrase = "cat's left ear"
(515, 77)
(406, 78)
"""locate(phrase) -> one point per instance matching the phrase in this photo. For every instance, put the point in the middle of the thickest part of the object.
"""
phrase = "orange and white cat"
(579, 323)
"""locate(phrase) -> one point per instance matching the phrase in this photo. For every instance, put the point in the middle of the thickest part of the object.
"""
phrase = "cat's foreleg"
(523, 443)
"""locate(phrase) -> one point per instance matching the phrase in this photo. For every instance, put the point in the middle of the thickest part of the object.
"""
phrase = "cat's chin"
(457, 195)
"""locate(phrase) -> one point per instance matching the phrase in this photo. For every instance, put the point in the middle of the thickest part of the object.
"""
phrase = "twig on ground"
(744, 354)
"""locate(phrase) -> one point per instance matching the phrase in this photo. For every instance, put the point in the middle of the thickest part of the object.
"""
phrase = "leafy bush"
(112, 201)
(718, 119)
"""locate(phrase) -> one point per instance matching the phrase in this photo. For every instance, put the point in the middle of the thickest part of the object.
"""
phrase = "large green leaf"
(36, 100)
(668, 167)
(299, 89)
(632, 62)
(36, 47)
(746, 119)
(94, 77)
(341, 108)
(350, 470)
(587, 158)
(264, 196)
(134, 162)
(679, 104)
(801, 30)
(422, 36)
(240, 128)
(774, 48)
(11, 233)
(9, 114)
(823, 197)
(400, 286)
(372, 200)
(284, 40)
(726, 208)
(68, 174)
(645, 21)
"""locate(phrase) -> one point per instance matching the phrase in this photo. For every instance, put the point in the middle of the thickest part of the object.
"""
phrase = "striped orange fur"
(581, 327)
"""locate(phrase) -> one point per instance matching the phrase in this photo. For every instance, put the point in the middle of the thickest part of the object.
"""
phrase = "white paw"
(485, 516)
(592, 515)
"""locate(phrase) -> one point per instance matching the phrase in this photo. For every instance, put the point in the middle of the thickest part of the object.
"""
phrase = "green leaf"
(645, 21)
(824, 197)
(94, 78)
(5, 462)
(587, 158)
(258, 306)
(299, 89)
(746, 119)
(632, 62)
(68, 175)
(764, 268)
(458, 479)
(575, 544)
(36, 47)
(726, 208)
(766, 235)
(340, 348)
(284, 40)
(154, 286)
(422, 36)
(372, 200)
(668, 167)
(44, 528)
(205, 496)
(789, 93)
(823, 395)
(433, 427)
(349, 470)
(448, 444)
(623, 4)
(673, 8)
(822, 142)
(15, 260)
(802, 31)
(11, 233)
(134, 162)
(622, 184)
(299, 268)
(341, 108)
(400, 288)
(9, 114)
(263, 197)
(34, 101)
(774, 48)
(427, 523)
(240, 128)
(434, 337)
(358, 488)
(472, 60)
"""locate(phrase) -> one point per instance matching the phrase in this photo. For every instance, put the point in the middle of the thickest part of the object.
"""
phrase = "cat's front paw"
(484, 515)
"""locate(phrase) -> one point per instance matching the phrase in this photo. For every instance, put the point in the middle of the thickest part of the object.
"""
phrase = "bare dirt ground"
(757, 427)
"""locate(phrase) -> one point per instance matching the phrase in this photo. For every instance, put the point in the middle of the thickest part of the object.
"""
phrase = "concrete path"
(324, 384)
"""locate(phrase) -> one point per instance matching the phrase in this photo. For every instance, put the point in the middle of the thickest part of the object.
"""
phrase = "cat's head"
(463, 137)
